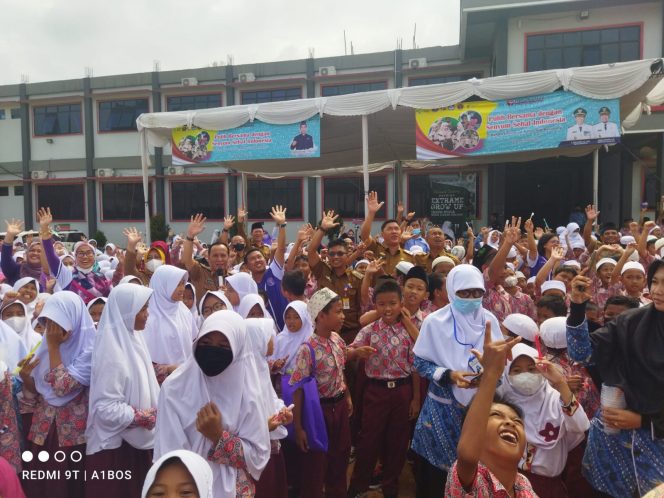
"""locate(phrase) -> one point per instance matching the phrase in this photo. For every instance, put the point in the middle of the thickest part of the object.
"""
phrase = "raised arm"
(591, 216)
(643, 239)
(303, 234)
(617, 270)
(196, 226)
(500, 259)
(133, 238)
(10, 269)
(241, 220)
(328, 222)
(59, 271)
(374, 207)
(228, 224)
(470, 251)
(554, 261)
(370, 273)
(278, 214)
(532, 243)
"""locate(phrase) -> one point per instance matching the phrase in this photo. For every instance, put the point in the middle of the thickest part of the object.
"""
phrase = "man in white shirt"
(605, 128)
(581, 130)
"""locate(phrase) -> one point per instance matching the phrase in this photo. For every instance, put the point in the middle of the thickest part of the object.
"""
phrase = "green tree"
(158, 228)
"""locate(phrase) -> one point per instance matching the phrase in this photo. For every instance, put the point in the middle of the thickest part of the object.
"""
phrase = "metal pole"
(365, 160)
(596, 178)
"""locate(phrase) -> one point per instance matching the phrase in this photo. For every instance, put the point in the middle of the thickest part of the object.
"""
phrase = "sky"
(57, 39)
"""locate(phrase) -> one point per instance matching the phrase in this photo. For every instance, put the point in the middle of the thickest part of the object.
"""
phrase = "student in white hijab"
(190, 291)
(15, 315)
(123, 394)
(130, 279)
(251, 306)
(211, 302)
(12, 348)
(221, 417)
(170, 329)
(28, 290)
(443, 355)
(554, 422)
(238, 286)
(289, 340)
(179, 472)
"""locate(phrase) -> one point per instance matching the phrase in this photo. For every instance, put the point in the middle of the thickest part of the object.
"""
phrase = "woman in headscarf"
(179, 472)
(443, 356)
(26, 290)
(273, 483)
(153, 258)
(123, 405)
(96, 308)
(221, 417)
(170, 329)
(15, 315)
(625, 450)
(190, 301)
(58, 396)
(238, 286)
(212, 302)
(554, 422)
(31, 266)
(85, 279)
(252, 306)
(297, 329)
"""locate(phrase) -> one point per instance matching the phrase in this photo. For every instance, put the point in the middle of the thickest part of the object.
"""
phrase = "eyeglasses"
(87, 254)
(467, 293)
(208, 310)
(336, 253)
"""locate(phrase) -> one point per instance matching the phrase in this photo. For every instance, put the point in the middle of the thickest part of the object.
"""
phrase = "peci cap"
(258, 224)
(318, 301)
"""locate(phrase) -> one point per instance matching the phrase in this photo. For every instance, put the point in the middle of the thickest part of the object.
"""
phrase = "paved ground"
(406, 483)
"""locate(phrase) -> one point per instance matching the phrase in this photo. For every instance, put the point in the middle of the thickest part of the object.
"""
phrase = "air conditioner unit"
(246, 77)
(105, 172)
(39, 175)
(189, 82)
(176, 170)
(327, 71)
(417, 63)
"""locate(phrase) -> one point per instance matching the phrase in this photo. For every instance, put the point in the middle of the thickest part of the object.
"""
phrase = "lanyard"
(455, 334)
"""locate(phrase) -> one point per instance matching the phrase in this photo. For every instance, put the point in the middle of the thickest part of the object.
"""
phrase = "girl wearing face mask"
(15, 315)
(554, 421)
(152, 259)
(221, 417)
(123, 406)
(443, 355)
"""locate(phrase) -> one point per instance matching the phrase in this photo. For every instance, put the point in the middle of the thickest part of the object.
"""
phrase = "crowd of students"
(513, 362)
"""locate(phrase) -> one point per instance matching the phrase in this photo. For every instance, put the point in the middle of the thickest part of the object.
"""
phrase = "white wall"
(11, 206)
(63, 147)
(10, 139)
(649, 13)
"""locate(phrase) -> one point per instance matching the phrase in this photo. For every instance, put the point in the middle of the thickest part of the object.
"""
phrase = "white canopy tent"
(385, 131)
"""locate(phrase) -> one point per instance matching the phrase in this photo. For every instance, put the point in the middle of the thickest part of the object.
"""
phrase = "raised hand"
(45, 218)
(304, 232)
(229, 220)
(581, 291)
(133, 237)
(550, 372)
(372, 202)
(495, 354)
(329, 221)
(407, 233)
(375, 266)
(400, 208)
(529, 226)
(278, 214)
(410, 216)
(14, 227)
(591, 212)
(631, 247)
(558, 253)
(241, 215)
(196, 225)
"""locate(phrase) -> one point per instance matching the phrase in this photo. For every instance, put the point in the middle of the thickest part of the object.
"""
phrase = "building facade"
(72, 145)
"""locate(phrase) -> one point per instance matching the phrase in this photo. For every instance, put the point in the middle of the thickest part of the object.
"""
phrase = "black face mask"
(213, 359)
(238, 247)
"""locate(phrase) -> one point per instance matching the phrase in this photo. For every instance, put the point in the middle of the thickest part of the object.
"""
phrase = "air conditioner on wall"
(39, 175)
(105, 172)
(327, 71)
(189, 82)
(246, 77)
(176, 170)
(417, 63)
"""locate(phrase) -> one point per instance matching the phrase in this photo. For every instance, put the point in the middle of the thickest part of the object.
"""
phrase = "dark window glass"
(188, 198)
(2, 114)
(67, 202)
(261, 96)
(433, 80)
(583, 48)
(346, 195)
(18, 190)
(122, 201)
(263, 194)
(63, 119)
(16, 113)
(120, 115)
(4, 191)
(328, 91)
(193, 102)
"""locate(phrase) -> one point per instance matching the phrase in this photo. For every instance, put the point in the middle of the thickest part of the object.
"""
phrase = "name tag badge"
(474, 364)
(346, 303)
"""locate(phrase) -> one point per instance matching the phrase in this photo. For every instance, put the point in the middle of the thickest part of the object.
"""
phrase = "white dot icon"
(43, 456)
(27, 456)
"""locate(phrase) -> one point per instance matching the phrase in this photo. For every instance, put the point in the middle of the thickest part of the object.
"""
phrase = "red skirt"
(117, 472)
(272, 483)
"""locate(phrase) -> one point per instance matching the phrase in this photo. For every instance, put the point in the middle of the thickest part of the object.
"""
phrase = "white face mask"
(527, 383)
(84, 271)
(16, 323)
(153, 264)
(511, 281)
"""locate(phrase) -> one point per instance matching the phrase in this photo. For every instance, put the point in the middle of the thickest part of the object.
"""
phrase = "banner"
(253, 140)
(453, 197)
(559, 119)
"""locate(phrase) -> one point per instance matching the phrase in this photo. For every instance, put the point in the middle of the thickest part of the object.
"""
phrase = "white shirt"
(580, 132)
(608, 129)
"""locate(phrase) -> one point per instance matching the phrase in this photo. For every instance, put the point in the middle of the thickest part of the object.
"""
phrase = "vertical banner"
(453, 197)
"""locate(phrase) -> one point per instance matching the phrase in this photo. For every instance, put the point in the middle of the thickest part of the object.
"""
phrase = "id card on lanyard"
(345, 300)
(474, 364)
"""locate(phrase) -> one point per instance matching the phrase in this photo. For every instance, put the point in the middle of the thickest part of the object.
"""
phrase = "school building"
(72, 144)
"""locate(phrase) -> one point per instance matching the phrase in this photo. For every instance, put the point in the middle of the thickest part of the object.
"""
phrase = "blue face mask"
(467, 305)
(416, 232)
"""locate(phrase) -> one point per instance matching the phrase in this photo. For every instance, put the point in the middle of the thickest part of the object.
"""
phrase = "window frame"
(100, 102)
(433, 76)
(361, 213)
(50, 135)
(442, 171)
(267, 217)
(129, 180)
(198, 179)
(356, 82)
(38, 184)
(178, 95)
(243, 92)
(640, 25)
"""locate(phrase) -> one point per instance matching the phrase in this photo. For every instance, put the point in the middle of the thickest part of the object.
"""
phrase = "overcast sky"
(56, 39)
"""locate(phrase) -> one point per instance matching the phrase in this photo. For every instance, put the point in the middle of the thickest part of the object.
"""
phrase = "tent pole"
(596, 178)
(365, 160)
(145, 154)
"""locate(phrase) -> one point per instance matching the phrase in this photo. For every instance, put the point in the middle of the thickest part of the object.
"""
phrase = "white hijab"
(248, 302)
(127, 279)
(27, 334)
(12, 349)
(196, 465)
(170, 328)
(447, 335)
(132, 384)
(287, 343)
(194, 309)
(68, 310)
(243, 284)
(259, 333)
(22, 282)
(236, 393)
(219, 295)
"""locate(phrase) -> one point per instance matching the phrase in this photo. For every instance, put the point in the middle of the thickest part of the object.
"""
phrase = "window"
(263, 194)
(4, 191)
(583, 48)
(346, 195)
(433, 80)
(16, 113)
(123, 201)
(260, 96)
(67, 201)
(18, 190)
(120, 115)
(453, 196)
(188, 198)
(2, 114)
(193, 102)
(62, 119)
(344, 89)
